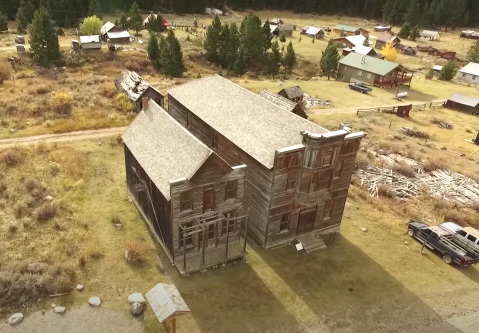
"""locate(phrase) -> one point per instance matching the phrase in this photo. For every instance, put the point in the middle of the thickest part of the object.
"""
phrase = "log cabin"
(298, 173)
(188, 195)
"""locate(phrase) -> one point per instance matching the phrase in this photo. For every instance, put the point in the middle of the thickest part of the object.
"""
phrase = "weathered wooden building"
(284, 103)
(90, 42)
(347, 30)
(442, 53)
(120, 37)
(189, 196)
(106, 28)
(298, 173)
(463, 103)
(294, 94)
(313, 32)
(135, 88)
(385, 39)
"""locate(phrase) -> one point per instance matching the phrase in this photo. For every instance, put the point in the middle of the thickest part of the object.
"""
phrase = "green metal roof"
(368, 64)
(346, 28)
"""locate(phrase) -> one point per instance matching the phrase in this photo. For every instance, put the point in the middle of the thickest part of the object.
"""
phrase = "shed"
(303, 31)
(463, 103)
(437, 68)
(119, 37)
(385, 39)
(108, 27)
(294, 94)
(135, 88)
(471, 34)
(20, 48)
(90, 42)
(443, 53)
(20, 40)
(284, 103)
(349, 30)
(285, 30)
(167, 304)
(431, 34)
(314, 32)
(405, 49)
(469, 73)
(381, 28)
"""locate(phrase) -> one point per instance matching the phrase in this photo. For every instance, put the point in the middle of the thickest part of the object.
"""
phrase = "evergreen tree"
(154, 24)
(94, 9)
(415, 33)
(289, 59)
(240, 66)
(431, 14)
(21, 19)
(171, 56)
(153, 49)
(448, 71)
(28, 10)
(20, 28)
(136, 20)
(229, 45)
(44, 39)
(405, 30)
(268, 36)
(282, 39)
(473, 53)
(329, 61)
(413, 16)
(388, 6)
(67, 23)
(213, 40)
(123, 21)
(3, 22)
(252, 38)
(274, 60)
(443, 13)
(366, 41)
(467, 18)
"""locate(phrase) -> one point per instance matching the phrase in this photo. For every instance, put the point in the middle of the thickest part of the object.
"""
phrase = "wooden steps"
(311, 242)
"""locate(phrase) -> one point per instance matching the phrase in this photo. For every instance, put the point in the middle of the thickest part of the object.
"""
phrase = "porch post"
(184, 250)
(246, 230)
(204, 245)
(227, 233)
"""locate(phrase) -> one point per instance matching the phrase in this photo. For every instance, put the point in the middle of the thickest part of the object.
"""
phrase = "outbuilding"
(285, 30)
(284, 103)
(314, 32)
(121, 37)
(136, 89)
(442, 53)
(431, 34)
(348, 30)
(294, 94)
(381, 28)
(469, 73)
(106, 28)
(90, 42)
(385, 39)
(463, 103)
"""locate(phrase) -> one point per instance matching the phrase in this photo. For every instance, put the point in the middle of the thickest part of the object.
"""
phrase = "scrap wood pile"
(442, 123)
(414, 133)
(393, 159)
(310, 101)
(451, 186)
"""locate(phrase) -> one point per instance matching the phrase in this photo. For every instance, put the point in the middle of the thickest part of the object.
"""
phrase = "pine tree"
(67, 23)
(28, 10)
(442, 14)
(213, 40)
(123, 21)
(405, 30)
(21, 18)
(282, 39)
(274, 60)
(44, 39)
(3, 22)
(289, 59)
(415, 34)
(431, 14)
(268, 36)
(154, 24)
(329, 61)
(388, 6)
(229, 45)
(414, 14)
(448, 71)
(467, 18)
(136, 20)
(366, 41)
(20, 28)
(473, 53)
(252, 38)
(153, 49)
(171, 56)
(240, 66)
(94, 9)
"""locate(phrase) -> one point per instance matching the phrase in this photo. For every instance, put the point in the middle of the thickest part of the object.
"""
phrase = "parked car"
(468, 237)
(440, 240)
(361, 87)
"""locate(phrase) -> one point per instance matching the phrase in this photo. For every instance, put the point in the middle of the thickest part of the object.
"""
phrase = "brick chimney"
(144, 103)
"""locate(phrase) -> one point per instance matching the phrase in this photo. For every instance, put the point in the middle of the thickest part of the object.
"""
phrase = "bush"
(5, 71)
(405, 170)
(116, 219)
(46, 212)
(135, 251)
(433, 164)
(10, 158)
(108, 90)
(122, 103)
(62, 103)
(35, 188)
(43, 90)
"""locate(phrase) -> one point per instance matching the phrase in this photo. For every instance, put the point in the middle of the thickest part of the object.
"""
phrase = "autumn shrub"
(108, 90)
(43, 90)
(5, 71)
(35, 188)
(122, 103)
(46, 212)
(135, 251)
(62, 103)
(10, 157)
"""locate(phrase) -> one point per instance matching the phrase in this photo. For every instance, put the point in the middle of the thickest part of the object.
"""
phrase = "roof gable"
(279, 100)
(471, 68)
(165, 300)
(368, 64)
(293, 92)
(255, 125)
(356, 40)
(348, 28)
(164, 148)
(361, 49)
(313, 31)
(107, 27)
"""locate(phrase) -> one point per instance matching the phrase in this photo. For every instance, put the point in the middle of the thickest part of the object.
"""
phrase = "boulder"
(136, 298)
(48, 198)
(16, 318)
(136, 308)
(364, 229)
(60, 309)
(94, 301)
(79, 287)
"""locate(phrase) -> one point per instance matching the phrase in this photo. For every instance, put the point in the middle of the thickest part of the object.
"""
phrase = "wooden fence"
(393, 109)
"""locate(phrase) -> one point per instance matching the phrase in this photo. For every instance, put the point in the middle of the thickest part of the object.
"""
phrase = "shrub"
(122, 103)
(10, 158)
(362, 161)
(5, 71)
(433, 164)
(20, 210)
(81, 261)
(116, 219)
(62, 103)
(405, 170)
(46, 212)
(135, 251)
(12, 228)
(35, 188)
(108, 90)
(43, 90)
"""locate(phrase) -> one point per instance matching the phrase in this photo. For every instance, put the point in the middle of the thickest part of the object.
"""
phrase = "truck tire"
(410, 232)
(447, 259)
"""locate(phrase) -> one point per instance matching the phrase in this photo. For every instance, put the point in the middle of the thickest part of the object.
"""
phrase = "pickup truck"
(361, 87)
(436, 238)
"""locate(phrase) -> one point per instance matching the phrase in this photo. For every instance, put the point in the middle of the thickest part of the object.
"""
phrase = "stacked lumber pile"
(442, 123)
(451, 186)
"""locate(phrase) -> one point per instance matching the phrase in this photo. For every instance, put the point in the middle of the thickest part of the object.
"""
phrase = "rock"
(136, 308)
(94, 301)
(127, 255)
(444, 148)
(79, 287)
(99, 143)
(16, 318)
(12, 130)
(60, 309)
(364, 229)
(48, 198)
(118, 226)
(28, 123)
(136, 297)
(406, 242)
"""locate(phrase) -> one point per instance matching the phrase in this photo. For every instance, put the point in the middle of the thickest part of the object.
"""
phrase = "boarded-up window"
(292, 180)
(211, 231)
(285, 222)
(231, 228)
(329, 157)
(305, 181)
(287, 161)
(348, 147)
(322, 181)
(186, 201)
(338, 169)
(189, 238)
(328, 209)
(230, 189)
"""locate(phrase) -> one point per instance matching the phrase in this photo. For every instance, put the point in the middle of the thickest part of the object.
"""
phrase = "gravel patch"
(77, 320)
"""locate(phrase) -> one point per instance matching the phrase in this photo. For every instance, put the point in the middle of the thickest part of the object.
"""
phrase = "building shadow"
(350, 292)
(232, 299)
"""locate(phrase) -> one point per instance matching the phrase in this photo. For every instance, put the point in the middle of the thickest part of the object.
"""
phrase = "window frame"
(211, 228)
(360, 72)
(232, 222)
(291, 180)
(231, 190)
(285, 221)
(368, 75)
(189, 238)
(287, 161)
(328, 209)
(182, 206)
(338, 170)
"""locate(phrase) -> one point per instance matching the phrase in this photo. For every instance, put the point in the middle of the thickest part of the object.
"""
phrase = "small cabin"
(463, 103)
(431, 35)
(120, 37)
(20, 48)
(136, 89)
(314, 32)
(106, 28)
(284, 103)
(442, 53)
(347, 30)
(90, 42)
(423, 47)
(294, 94)
(385, 39)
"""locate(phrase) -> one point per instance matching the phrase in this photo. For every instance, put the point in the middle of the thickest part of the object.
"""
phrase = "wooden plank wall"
(152, 94)
(213, 173)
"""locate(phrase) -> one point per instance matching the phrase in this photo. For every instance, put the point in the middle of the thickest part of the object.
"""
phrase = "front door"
(307, 217)
(208, 199)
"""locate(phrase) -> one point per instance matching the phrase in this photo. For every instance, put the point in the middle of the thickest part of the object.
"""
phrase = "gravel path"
(83, 319)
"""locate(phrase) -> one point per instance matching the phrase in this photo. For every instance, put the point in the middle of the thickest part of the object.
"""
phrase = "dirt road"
(70, 136)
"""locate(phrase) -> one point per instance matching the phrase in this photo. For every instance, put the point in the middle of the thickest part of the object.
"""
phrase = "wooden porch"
(403, 78)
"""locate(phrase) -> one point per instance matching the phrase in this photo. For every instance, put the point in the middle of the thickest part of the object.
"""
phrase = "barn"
(189, 196)
(106, 28)
(442, 53)
(463, 103)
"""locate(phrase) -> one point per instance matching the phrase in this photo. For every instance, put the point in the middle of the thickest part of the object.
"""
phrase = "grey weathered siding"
(350, 74)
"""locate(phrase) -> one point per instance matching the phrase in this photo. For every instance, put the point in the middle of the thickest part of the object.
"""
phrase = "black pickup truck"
(437, 239)
(361, 87)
